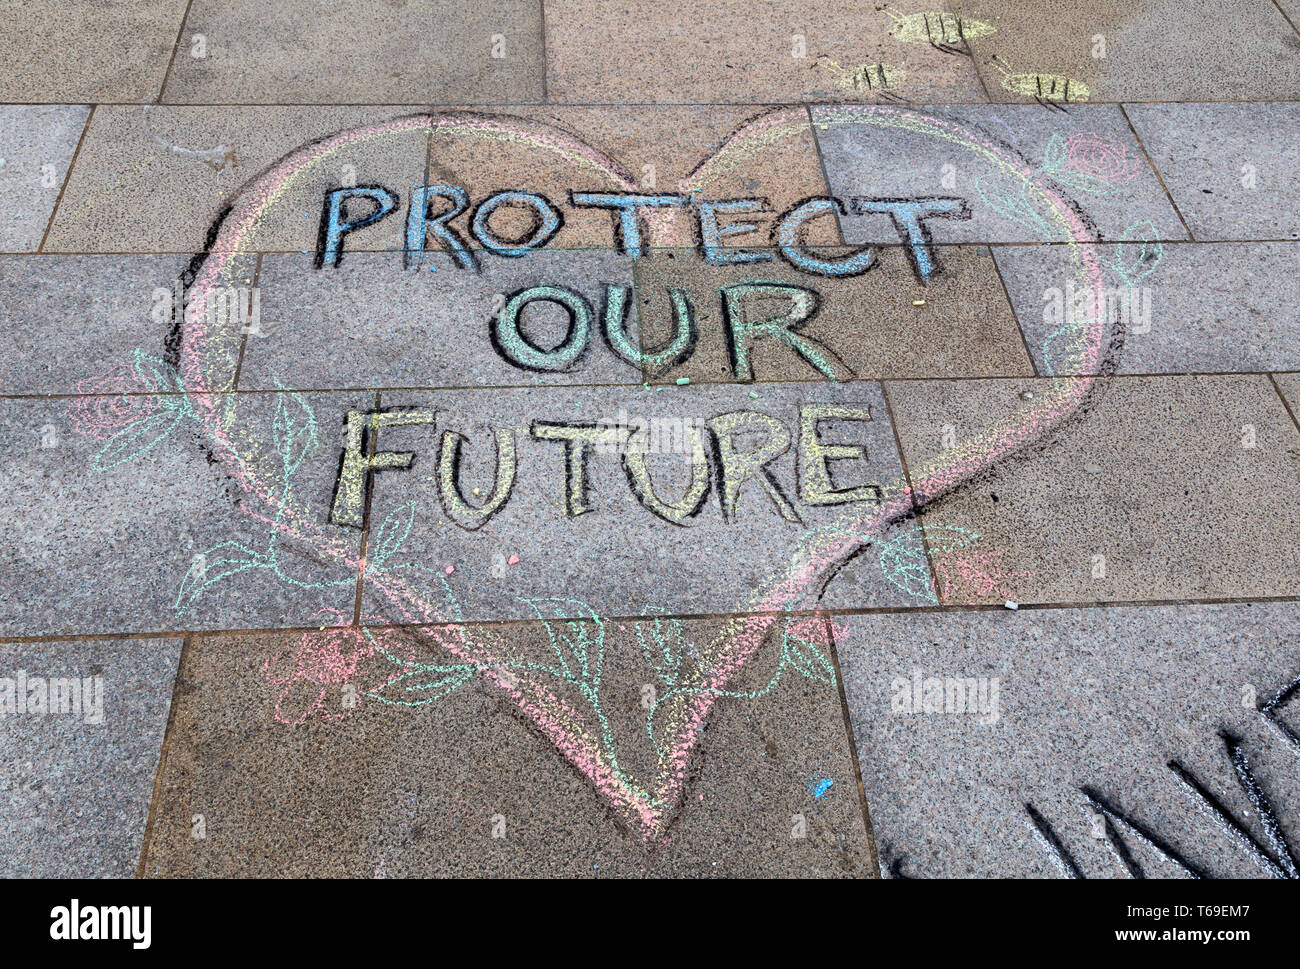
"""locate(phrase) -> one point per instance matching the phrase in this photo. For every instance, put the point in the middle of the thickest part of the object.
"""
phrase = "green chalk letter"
(743, 332)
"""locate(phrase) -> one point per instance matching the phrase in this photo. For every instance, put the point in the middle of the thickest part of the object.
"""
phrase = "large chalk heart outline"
(647, 806)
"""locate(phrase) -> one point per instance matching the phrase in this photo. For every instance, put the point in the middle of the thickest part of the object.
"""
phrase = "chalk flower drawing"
(330, 657)
(1137, 253)
(112, 403)
(380, 664)
(1130, 260)
(969, 575)
(574, 651)
(294, 435)
(962, 573)
(1090, 162)
(131, 425)
(120, 415)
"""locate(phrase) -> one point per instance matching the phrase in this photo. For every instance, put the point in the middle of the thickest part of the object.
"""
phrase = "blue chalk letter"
(418, 224)
(711, 234)
(624, 206)
(791, 235)
(907, 216)
(546, 222)
(333, 227)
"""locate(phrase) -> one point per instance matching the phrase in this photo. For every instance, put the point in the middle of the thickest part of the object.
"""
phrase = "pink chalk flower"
(969, 575)
(333, 669)
(322, 659)
(812, 628)
(113, 401)
(1090, 162)
(1101, 158)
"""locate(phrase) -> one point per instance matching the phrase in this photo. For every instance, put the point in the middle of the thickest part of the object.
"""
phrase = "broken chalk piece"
(451, 569)
(918, 302)
(683, 381)
(513, 560)
(1011, 605)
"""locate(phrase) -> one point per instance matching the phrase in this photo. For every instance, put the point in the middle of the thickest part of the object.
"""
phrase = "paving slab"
(644, 51)
(95, 51)
(597, 543)
(869, 322)
(1150, 52)
(700, 151)
(1080, 717)
(154, 179)
(1186, 312)
(990, 157)
(76, 321)
(406, 51)
(37, 142)
(370, 322)
(128, 522)
(290, 781)
(1158, 488)
(80, 755)
(1289, 384)
(1229, 167)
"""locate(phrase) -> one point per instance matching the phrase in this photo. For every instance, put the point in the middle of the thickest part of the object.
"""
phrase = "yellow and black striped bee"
(872, 78)
(944, 31)
(1047, 89)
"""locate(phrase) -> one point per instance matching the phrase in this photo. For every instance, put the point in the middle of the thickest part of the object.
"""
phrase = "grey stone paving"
(1289, 384)
(37, 143)
(1089, 152)
(1161, 488)
(102, 52)
(95, 485)
(155, 178)
(1230, 168)
(74, 323)
(692, 53)
(1073, 713)
(79, 753)
(404, 52)
(1191, 313)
